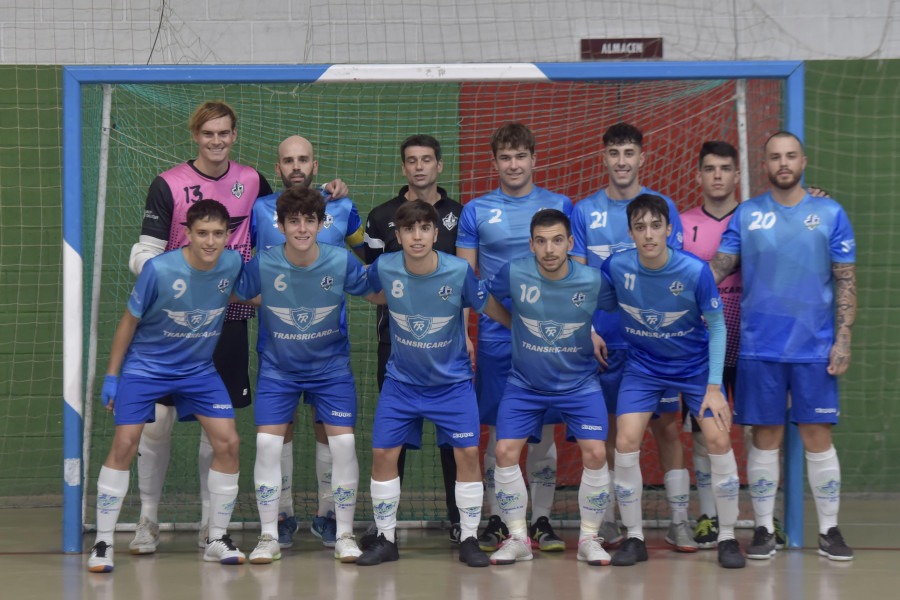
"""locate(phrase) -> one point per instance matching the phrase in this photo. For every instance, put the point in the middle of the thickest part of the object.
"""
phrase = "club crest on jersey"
(445, 292)
(714, 303)
(327, 282)
(676, 288)
(450, 221)
(328, 222)
(238, 189)
(578, 299)
(812, 221)
(223, 285)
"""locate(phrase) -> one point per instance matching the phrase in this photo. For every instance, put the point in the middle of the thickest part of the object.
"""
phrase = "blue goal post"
(74, 77)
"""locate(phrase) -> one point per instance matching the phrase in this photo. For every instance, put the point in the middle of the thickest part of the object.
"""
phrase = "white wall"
(434, 31)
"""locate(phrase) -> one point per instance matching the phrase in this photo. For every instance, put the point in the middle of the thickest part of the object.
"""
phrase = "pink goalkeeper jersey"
(702, 233)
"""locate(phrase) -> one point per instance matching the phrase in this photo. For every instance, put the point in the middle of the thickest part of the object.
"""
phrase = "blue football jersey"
(181, 311)
(552, 352)
(600, 228)
(662, 311)
(787, 311)
(499, 227)
(428, 345)
(301, 333)
(342, 224)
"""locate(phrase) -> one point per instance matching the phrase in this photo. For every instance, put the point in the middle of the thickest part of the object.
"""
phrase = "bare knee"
(508, 452)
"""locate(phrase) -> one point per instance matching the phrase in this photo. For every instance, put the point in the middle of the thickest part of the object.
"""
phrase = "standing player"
(420, 159)
(665, 296)
(164, 345)
(304, 350)
(600, 227)
(553, 366)
(211, 175)
(297, 166)
(429, 374)
(493, 230)
(796, 253)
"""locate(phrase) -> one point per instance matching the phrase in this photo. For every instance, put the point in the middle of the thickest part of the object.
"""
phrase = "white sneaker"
(101, 559)
(511, 550)
(223, 551)
(345, 549)
(146, 537)
(203, 535)
(267, 550)
(591, 551)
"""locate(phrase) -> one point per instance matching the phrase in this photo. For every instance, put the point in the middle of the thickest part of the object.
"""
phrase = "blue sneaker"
(325, 528)
(287, 527)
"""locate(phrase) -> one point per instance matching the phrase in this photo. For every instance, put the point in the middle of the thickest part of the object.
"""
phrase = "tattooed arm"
(844, 315)
(723, 265)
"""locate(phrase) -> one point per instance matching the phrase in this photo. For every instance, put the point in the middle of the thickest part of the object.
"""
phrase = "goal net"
(356, 125)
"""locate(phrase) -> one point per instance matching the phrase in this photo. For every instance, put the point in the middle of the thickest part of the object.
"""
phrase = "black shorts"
(232, 360)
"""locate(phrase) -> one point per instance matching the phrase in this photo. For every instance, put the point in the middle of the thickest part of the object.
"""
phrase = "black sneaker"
(832, 545)
(493, 534)
(471, 554)
(633, 551)
(455, 533)
(730, 555)
(763, 544)
(368, 538)
(380, 551)
(547, 540)
(706, 534)
(781, 538)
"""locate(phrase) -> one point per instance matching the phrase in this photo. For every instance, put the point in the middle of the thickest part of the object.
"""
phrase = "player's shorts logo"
(762, 488)
(328, 222)
(302, 318)
(327, 282)
(223, 285)
(194, 319)
(445, 292)
(831, 488)
(238, 189)
(450, 221)
(578, 299)
(264, 493)
(676, 288)
(812, 221)
(598, 501)
(506, 499)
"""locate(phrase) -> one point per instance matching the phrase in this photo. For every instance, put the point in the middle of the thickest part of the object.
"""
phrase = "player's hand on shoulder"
(336, 190)
(817, 192)
(108, 394)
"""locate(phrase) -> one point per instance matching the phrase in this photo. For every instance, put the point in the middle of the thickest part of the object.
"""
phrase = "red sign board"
(621, 48)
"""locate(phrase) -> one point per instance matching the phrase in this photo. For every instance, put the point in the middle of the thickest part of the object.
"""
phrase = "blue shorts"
(611, 381)
(334, 400)
(204, 395)
(401, 408)
(493, 361)
(521, 414)
(760, 397)
(641, 392)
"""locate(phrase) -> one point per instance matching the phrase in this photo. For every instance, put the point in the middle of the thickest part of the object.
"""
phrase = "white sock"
(540, 465)
(153, 460)
(762, 479)
(223, 489)
(385, 499)
(112, 485)
(204, 464)
(593, 500)
(725, 485)
(512, 498)
(469, 497)
(345, 480)
(323, 476)
(286, 503)
(630, 491)
(267, 481)
(702, 474)
(824, 475)
(678, 493)
(609, 515)
(490, 466)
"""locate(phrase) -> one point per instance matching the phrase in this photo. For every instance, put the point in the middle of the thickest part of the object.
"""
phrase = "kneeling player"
(553, 367)
(428, 373)
(305, 351)
(164, 345)
(665, 295)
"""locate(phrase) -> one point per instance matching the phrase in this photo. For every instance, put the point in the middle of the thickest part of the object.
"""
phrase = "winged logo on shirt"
(653, 318)
(302, 318)
(194, 319)
(550, 331)
(604, 251)
(418, 325)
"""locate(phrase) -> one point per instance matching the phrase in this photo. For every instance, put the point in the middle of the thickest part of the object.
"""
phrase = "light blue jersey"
(600, 228)
(342, 224)
(787, 311)
(499, 227)
(301, 333)
(662, 311)
(428, 345)
(181, 311)
(552, 352)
